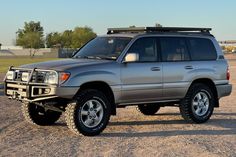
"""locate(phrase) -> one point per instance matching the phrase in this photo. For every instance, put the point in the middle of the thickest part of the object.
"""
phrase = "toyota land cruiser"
(150, 67)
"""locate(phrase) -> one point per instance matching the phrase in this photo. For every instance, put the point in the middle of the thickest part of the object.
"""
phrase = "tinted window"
(146, 48)
(202, 49)
(174, 49)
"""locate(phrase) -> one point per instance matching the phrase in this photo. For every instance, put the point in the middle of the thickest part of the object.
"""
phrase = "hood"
(64, 64)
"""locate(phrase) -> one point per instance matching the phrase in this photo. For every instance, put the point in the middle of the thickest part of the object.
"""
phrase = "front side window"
(174, 49)
(202, 49)
(145, 48)
(104, 48)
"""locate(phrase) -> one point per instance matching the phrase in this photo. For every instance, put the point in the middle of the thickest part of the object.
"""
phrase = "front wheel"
(90, 113)
(198, 104)
(38, 115)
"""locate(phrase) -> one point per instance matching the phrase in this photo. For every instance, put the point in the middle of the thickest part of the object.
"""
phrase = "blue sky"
(58, 15)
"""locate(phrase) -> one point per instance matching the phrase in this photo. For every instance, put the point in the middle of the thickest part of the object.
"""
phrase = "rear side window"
(202, 49)
(174, 49)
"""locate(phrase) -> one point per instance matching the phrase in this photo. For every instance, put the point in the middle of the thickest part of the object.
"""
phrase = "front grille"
(18, 75)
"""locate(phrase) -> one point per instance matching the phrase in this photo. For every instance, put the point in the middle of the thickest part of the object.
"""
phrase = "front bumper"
(223, 90)
(36, 92)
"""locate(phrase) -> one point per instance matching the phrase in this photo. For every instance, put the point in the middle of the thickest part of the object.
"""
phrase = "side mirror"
(131, 57)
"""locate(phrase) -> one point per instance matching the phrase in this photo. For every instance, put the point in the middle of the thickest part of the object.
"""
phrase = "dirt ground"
(128, 134)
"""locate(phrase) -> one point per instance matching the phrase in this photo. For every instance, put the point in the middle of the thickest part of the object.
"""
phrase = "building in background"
(11, 47)
(228, 46)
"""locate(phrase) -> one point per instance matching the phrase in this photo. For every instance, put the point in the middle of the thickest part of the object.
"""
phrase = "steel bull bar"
(28, 90)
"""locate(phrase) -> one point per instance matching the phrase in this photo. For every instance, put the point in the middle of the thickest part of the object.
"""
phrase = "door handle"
(155, 68)
(188, 67)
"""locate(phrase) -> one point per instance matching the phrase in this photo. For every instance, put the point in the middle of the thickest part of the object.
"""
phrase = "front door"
(142, 80)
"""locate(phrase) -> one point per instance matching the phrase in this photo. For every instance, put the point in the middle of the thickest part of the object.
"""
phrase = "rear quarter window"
(201, 49)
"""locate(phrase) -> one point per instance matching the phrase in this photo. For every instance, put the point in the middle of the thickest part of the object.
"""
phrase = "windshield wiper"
(89, 57)
(108, 57)
(97, 57)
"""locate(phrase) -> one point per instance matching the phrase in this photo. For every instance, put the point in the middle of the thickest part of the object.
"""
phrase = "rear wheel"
(35, 114)
(198, 105)
(148, 109)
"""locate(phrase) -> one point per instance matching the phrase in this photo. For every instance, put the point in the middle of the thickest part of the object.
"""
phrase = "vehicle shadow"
(170, 133)
(147, 122)
(228, 127)
(225, 114)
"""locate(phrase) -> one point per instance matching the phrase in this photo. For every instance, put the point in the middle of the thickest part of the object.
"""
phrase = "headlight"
(51, 77)
(55, 78)
(10, 75)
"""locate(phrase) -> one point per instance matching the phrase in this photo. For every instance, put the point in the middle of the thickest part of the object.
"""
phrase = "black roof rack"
(157, 29)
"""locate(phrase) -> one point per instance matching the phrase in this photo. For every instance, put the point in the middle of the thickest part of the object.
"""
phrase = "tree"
(70, 39)
(66, 38)
(53, 40)
(81, 35)
(31, 36)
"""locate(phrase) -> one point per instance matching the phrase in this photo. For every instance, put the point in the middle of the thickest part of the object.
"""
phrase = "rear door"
(177, 66)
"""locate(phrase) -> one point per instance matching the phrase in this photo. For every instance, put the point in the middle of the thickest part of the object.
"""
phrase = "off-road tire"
(37, 115)
(148, 109)
(73, 113)
(186, 108)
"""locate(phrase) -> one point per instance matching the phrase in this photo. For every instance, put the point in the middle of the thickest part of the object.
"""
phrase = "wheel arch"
(103, 87)
(208, 82)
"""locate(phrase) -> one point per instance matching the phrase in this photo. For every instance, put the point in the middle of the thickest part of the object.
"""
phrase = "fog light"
(25, 76)
(10, 75)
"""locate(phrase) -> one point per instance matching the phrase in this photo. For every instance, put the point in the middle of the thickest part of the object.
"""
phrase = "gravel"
(128, 134)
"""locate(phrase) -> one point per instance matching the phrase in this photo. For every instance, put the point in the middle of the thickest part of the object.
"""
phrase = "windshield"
(103, 48)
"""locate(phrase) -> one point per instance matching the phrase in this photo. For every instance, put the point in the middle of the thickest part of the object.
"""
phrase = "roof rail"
(157, 29)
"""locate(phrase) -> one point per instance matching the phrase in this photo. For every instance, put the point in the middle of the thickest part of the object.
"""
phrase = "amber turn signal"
(64, 76)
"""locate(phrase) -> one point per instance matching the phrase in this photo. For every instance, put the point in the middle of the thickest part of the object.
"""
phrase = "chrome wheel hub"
(200, 103)
(91, 113)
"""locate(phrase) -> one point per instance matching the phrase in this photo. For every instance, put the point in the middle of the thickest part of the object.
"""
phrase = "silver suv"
(150, 67)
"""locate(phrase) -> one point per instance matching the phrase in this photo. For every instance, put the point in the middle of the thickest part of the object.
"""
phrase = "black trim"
(158, 49)
(28, 91)
(188, 48)
(221, 57)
